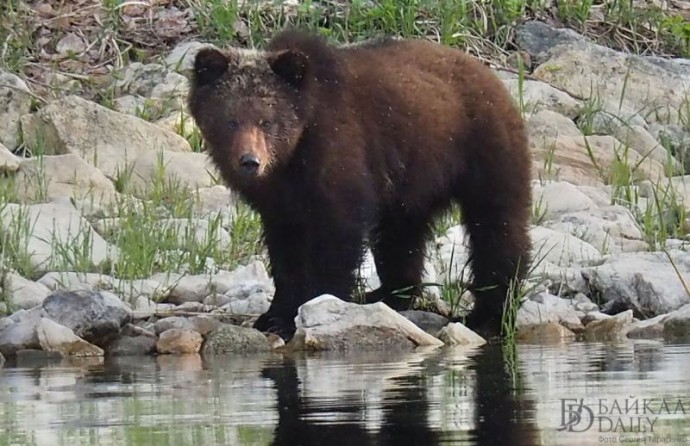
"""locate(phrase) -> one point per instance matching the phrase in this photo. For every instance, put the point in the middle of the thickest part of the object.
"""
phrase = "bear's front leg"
(290, 271)
(306, 262)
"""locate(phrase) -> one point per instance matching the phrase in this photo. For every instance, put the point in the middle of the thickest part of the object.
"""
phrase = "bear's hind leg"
(499, 256)
(398, 245)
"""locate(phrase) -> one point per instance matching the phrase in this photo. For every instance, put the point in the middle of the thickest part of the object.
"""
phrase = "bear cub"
(338, 146)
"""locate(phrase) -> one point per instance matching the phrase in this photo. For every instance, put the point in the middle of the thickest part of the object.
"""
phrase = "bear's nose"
(249, 164)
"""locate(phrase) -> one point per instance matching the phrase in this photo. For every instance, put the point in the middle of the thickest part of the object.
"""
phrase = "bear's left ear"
(289, 65)
(209, 65)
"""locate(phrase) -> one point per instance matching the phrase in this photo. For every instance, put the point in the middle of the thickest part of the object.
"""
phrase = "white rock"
(55, 233)
(24, 293)
(54, 337)
(559, 248)
(557, 198)
(457, 334)
(610, 229)
(186, 170)
(181, 58)
(104, 138)
(644, 281)
(328, 323)
(8, 161)
(15, 101)
(620, 80)
(45, 178)
(537, 96)
(545, 308)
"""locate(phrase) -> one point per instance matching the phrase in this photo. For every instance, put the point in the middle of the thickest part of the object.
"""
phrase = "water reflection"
(481, 396)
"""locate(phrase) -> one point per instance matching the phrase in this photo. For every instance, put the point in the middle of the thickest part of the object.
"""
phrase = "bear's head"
(250, 108)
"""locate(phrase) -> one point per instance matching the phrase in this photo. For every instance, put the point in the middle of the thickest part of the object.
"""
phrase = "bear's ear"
(209, 65)
(289, 65)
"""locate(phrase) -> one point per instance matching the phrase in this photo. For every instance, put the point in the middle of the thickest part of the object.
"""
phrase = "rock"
(537, 96)
(54, 337)
(21, 334)
(538, 38)
(430, 322)
(557, 198)
(214, 200)
(562, 280)
(72, 281)
(70, 45)
(619, 81)
(15, 101)
(190, 289)
(57, 235)
(191, 307)
(592, 316)
(545, 308)
(24, 293)
(130, 105)
(548, 333)
(67, 126)
(677, 324)
(649, 328)
(561, 249)
(45, 178)
(8, 162)
(328, 323)
(132, 346)
(457, 334)
(234, 339)
(452, 256)
(547, 124)
(644, 282)
(140, 79)
(242, 278)
(249, 298)
(173, 90)
(610, 229)
(204, 324)
(677, 188)
(2, 360)
(677, 138)
(638, 138)
(609, 329)
(216, 300)
(188, 170)
(583, 303)
(93, 316)
(561, 152)
(181, 58)
(177, 342)
(173, 322)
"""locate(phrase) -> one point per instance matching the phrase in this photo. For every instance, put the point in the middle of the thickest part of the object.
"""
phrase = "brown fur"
(369, 141)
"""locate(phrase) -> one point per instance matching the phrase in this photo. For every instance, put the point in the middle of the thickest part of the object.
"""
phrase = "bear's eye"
(233, 124)
(265, 124)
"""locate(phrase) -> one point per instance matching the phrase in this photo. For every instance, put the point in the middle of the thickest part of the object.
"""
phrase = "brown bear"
(338, 146)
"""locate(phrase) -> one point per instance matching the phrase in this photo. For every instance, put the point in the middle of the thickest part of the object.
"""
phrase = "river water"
(576, 394)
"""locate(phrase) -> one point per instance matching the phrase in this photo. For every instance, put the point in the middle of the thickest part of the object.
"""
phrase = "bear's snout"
(249, 164)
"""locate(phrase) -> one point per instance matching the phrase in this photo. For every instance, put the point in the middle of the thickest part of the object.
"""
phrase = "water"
(596, 393)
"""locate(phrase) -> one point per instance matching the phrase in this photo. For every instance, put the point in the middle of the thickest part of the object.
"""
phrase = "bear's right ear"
(209, 65)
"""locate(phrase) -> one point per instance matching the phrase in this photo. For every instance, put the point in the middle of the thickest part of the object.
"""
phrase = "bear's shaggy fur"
(334, 146)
